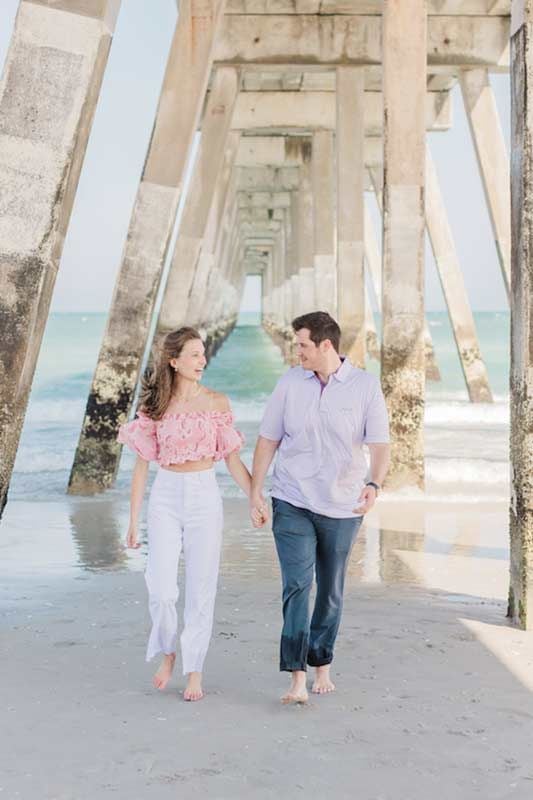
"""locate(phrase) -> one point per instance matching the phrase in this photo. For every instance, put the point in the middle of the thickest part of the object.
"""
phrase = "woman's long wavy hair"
(157, 381)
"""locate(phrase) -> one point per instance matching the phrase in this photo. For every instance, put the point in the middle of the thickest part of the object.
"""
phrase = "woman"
(185, 427)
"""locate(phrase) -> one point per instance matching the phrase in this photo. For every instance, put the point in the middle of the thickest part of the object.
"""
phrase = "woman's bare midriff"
(191, 466)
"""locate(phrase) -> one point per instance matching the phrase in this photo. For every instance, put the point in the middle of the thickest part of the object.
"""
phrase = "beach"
(433, 687)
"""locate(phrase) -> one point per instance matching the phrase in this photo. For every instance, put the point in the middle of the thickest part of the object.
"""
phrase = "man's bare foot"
(298, 690)
(193, 690)
(323, 683)
(162, 676)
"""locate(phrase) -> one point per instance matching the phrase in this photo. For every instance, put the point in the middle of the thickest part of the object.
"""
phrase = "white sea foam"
(249, 410)
(467, 471)
(453, 414)
(31, 461)
(448, 497)
(63, 411)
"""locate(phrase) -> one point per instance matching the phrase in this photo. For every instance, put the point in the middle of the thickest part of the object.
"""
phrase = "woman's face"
(191, 361)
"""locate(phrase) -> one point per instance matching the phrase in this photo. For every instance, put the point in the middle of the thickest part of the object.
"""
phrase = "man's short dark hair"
(320, 326)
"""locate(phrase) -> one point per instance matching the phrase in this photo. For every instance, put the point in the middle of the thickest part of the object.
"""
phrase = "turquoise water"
(465, 443)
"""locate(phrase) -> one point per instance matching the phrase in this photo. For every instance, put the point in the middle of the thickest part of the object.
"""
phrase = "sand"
(434, 689)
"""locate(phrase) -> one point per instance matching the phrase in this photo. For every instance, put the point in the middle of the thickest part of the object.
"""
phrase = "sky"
(117, 148)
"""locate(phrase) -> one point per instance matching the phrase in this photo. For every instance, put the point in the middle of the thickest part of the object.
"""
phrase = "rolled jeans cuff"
(315, 661)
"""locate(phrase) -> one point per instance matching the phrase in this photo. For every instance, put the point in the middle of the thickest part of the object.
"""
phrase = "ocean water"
(466, 444)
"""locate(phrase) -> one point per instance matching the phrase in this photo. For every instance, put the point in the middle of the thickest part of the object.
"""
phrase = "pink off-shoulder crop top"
(186, 436)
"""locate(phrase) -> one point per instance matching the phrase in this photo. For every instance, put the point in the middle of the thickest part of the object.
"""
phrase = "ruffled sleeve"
(229, 439)
(140, 436)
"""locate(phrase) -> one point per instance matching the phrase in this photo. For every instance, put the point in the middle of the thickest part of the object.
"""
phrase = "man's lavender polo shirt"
(320, 463)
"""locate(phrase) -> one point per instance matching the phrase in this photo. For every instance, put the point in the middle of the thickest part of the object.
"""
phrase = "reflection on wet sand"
(460, 550)
(97, 533)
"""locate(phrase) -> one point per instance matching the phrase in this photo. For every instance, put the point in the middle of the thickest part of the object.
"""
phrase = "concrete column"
(217, 284)
(521, 511)
(305, 234)
(215, 128)
(373, 274)
(48, 94)
(281, 264)
(197, 311)
(152, 221)
(274, 321)
(216, 304)
(322, 171)
(487, 135)
(432, 368)
(402, 358)
(265, 290)
(294, 254)
(371, 334)
(453, 287)
(292, 279)
(228, 250)
(350, 211)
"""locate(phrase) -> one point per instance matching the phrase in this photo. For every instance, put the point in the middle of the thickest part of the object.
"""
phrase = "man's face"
(311, 356)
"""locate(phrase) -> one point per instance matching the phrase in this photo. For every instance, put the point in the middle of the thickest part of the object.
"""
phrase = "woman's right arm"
(138, 484)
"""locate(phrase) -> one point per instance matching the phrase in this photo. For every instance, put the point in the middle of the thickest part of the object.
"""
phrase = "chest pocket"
(303, 455)
(351, 423)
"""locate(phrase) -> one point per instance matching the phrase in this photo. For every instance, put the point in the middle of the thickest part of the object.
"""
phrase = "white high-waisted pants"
(184, 512)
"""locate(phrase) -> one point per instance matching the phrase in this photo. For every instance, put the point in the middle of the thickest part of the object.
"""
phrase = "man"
(317, 419)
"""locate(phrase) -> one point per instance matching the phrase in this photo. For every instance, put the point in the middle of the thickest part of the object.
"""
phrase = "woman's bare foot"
(162, 676)
(323, 683)
(298, 690)
(193, 690)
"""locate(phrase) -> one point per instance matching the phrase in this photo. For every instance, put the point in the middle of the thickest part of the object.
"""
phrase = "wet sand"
(434, 689)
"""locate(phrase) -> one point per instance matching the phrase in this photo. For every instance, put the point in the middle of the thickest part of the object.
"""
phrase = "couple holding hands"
(315, 424)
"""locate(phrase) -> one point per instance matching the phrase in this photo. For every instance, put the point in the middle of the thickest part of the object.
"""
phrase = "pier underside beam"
(356, 40)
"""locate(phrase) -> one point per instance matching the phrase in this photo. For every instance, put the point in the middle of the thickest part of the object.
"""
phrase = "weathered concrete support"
(208, 164)
(454, 8)
(402, 359)
(305, 233)
(48, 95)
(264, 111)
(283, 150)
(350, 140)
(493, 160)
(430, 360)
(197, 312)
(218, 284)
(453, 287)
(323, 181)
(521, 511)
(272, 200)
(370, 331)
(217, 318)
(153, 217)
(355, 40)
(292, 261)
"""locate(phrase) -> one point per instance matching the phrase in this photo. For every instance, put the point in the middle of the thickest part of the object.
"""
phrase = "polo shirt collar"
(341, 374)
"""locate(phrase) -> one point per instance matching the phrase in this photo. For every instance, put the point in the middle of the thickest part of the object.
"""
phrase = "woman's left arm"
(239, 472)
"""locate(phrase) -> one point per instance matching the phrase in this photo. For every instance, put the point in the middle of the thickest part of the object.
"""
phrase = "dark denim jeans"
(308, 544)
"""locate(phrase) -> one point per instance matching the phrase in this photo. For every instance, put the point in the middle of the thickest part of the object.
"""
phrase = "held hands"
(132, 539)
(258, 510)
(367, 498)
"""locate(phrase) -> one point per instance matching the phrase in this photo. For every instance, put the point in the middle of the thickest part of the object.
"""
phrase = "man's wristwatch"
(376, 486)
